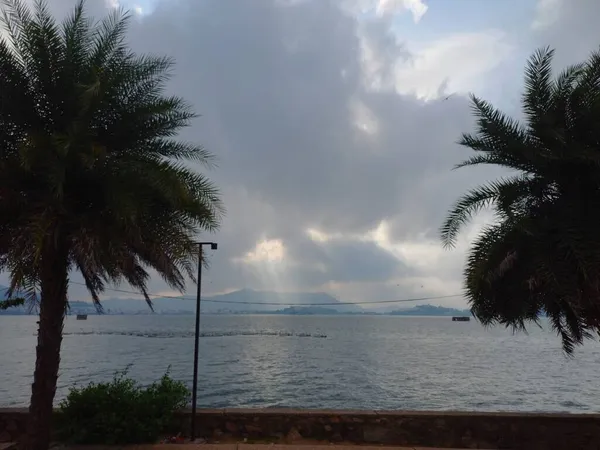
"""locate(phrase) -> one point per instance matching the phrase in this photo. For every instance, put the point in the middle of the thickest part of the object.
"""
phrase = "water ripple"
(285, 361)
(190, 334)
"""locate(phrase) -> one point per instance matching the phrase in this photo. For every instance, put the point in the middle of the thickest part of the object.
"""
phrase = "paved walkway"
(12, 445)
(278, 447)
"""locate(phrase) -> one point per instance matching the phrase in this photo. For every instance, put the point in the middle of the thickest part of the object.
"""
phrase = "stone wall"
(12, 423)
(430, 429)
(433, 429)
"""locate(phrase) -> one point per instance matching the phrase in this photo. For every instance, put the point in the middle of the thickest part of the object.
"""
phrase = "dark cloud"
(276, 86)
(341, 260)
(284, 92)
(575, 32)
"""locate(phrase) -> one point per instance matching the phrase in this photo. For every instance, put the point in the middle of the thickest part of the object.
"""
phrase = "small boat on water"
(461, 319)
(81, 316)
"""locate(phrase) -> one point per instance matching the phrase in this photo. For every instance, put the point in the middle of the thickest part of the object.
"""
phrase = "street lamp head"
(213, 245)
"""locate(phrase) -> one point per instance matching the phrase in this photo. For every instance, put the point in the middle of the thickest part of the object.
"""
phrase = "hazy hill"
(430, 310)
(234, 301)
(241, 301)
(244, 301)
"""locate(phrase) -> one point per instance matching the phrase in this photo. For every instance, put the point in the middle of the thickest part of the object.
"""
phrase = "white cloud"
(547, 12)
(363, 118)
(319, 236)
(416, 7)
(266, 251)
(421, 254)
(454, 63)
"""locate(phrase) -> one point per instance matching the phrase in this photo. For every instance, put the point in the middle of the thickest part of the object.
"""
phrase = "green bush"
(121, 411)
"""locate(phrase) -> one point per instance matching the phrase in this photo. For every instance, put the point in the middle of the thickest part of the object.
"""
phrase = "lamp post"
(213, 246)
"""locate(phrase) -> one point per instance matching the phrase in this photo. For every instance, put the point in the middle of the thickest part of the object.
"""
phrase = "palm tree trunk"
(53, 283)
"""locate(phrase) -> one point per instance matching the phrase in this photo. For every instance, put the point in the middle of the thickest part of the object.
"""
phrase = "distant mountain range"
(242, 301)
(430, 310)
(245, 301)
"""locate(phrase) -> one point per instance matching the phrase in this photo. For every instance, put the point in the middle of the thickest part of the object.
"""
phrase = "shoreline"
(444, 429)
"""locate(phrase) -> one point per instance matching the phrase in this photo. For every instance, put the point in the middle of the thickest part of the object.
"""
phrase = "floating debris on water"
(190, 334)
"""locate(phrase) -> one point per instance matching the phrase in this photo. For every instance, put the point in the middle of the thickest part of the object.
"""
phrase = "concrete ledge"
(526, 431)
(529, 431)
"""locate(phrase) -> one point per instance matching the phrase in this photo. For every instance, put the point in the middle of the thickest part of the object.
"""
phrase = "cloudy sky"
(333, 133)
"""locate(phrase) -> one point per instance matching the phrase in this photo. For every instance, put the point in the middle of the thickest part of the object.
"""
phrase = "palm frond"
(108, 40)
(11, 303)
(504, 193)
(542, 255)
(90, 156)
(16, 19)
(538, 87)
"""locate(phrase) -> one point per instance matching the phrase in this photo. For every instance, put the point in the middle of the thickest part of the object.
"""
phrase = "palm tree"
(92, 178)
(541, 255)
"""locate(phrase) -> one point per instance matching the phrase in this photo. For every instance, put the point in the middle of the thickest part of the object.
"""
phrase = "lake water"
(410, 363)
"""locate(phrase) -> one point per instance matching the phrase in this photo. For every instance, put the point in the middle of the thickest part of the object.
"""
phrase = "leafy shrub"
(121, 411)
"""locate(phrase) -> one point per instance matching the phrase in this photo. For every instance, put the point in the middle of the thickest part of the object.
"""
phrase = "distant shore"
(416, 311)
